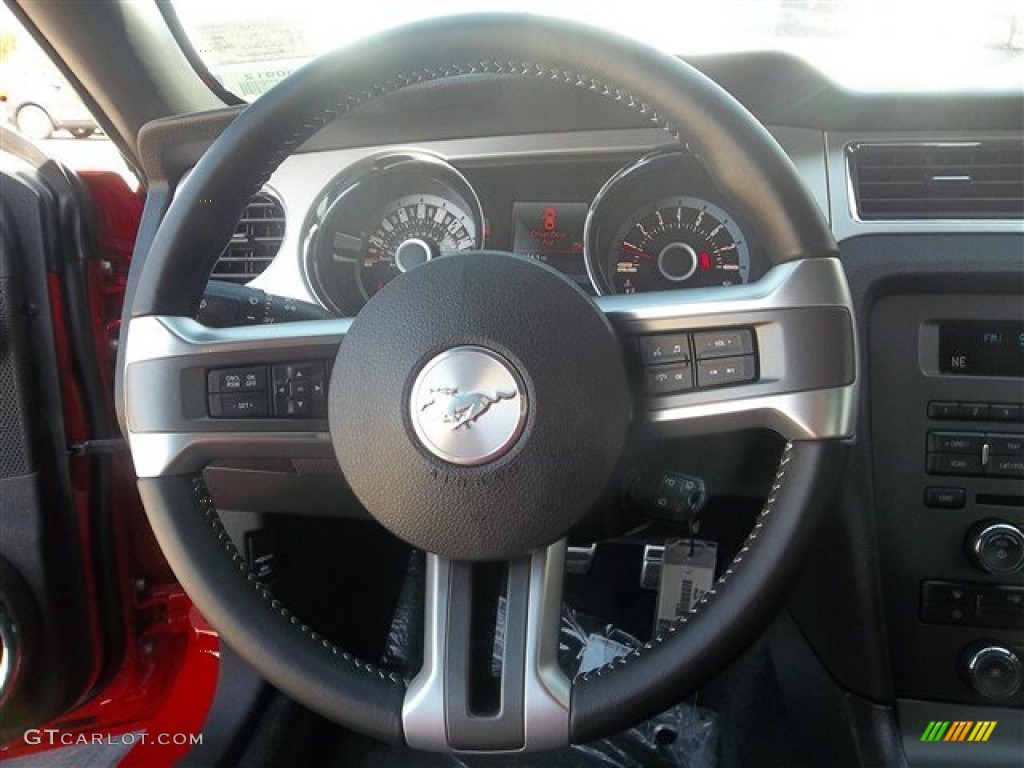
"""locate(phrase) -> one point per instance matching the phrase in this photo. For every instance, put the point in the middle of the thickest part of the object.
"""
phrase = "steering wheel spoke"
(195, 394)
(530, 709)
(776, 354)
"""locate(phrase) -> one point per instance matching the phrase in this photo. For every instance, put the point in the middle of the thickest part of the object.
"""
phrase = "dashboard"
(617, 222)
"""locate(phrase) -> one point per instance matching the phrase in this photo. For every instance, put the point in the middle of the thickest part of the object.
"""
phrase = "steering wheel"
(478, 404)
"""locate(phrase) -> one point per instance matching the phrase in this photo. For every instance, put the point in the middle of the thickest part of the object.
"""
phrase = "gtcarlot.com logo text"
(54, 737)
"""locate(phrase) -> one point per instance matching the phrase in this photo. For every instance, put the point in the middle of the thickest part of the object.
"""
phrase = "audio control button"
(973, 411)
(994, 671)
(1005, 466)
(1005, 445)
(943, 410)
(945, 498)
(955, 442)
(996, 547)
(954, 464)
(1003, 412)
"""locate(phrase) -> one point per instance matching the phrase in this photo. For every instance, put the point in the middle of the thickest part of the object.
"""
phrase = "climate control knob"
(994, 671)
(996, 546)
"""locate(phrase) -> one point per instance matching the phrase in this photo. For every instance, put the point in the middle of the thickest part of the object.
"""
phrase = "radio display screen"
(981, 348)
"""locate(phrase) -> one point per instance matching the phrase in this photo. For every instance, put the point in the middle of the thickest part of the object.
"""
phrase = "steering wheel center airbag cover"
(446, 348)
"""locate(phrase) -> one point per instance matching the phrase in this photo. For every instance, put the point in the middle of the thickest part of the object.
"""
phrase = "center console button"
(973, 411)
(943, 410)
(955, 442)
(1005, 445)
(954, 464)
(1004, 412)
(945, 498)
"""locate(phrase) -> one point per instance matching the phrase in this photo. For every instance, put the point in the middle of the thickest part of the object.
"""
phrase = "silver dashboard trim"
(170, 453)
(159, 337)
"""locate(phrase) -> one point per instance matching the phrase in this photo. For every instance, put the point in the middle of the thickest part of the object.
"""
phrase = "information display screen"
(550, 232)
(981, 348)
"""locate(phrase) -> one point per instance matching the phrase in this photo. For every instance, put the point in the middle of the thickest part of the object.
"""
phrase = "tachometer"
(659, 224)
(677, 242)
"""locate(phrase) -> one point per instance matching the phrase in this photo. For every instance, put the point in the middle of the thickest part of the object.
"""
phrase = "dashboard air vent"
(962, 180)
(256, 241)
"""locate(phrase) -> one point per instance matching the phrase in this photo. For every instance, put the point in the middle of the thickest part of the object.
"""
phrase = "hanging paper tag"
(687, 572)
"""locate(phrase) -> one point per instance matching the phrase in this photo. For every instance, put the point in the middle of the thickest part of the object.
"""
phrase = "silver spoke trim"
(801, 314)
(546, 688)
(165, 356)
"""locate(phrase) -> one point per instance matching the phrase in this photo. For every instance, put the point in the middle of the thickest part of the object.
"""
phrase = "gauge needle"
(635, 249)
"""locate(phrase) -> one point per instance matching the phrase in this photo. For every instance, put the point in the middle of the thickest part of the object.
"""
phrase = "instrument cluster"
(612, 224)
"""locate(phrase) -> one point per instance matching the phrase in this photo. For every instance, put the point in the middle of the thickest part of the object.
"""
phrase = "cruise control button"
(666, 379)
(665, 349)
(953, 464)
(238, 380)
(955, 442)
(1005, 445)
(712, 344)
(239, 406)
(725, 370)
(945, 498)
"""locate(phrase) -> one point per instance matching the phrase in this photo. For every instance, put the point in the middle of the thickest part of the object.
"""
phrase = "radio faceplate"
(946, 444)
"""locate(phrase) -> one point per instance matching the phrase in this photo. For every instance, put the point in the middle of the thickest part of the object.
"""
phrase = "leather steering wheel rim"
(739, 155)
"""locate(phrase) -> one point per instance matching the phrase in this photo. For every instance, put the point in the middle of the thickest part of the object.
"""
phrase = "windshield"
(873, 45)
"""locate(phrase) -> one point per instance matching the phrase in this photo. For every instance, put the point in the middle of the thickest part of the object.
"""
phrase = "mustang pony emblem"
(462, 410)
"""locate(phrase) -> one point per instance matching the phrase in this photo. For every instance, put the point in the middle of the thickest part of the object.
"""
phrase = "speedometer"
(677, 242)
(385, 215)
(409, 231)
